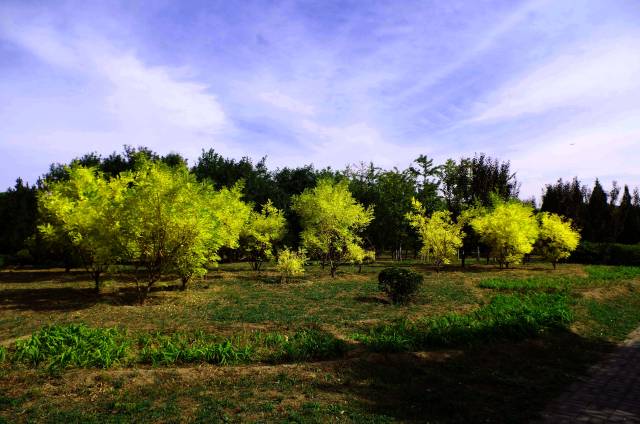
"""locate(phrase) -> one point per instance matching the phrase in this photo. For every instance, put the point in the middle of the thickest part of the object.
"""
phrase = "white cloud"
(141, 104)
(287, 103)
(593, 76)
(607, 149)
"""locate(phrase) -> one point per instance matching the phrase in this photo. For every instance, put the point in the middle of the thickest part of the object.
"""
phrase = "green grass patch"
(303, 345)
(506, 316)
(3, 354)
(74, 345)
(612, 319)
(600, 272)
(532, 283)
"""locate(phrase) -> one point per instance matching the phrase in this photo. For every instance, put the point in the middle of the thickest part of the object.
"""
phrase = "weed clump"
(160, 349)
(62, 346)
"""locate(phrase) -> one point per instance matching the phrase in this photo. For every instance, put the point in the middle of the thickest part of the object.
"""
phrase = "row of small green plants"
(596, 275)
(77, 345)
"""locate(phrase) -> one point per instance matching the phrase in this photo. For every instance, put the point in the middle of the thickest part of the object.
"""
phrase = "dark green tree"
(598, 224)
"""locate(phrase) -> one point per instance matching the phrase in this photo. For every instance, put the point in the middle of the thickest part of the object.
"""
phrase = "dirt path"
(610, 393)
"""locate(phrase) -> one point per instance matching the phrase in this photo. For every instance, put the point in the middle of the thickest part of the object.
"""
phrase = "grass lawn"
(241, 347)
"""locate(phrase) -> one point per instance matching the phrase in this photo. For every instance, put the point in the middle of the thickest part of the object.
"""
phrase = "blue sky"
(553, 86)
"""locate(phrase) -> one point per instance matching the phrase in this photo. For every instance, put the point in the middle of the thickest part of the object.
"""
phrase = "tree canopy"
(331, 221)
(509, 228)
(557, 238)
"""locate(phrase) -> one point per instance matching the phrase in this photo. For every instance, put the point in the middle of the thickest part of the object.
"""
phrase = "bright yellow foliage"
(331, 220)
(171, 222)
(441, 237)
(557, 238)
(291, 264)
(261, 231)
(83, 212)
(510, 229)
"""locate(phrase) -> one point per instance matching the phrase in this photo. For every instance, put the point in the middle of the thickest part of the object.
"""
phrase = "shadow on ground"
(499, 382)
(37, 276)
(48, 299)
(72, 298)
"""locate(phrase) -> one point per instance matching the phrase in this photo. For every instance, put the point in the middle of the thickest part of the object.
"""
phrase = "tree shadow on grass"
(372, 299)
(73, 298)
(48, 299)
(496, 382)
(36, 276)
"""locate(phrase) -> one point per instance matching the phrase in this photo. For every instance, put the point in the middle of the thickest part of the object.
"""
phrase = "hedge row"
(607, 254)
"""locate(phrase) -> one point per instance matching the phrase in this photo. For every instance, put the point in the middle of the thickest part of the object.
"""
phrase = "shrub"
(291, 264)
(606, 254)
(60, 346)
(399, 284)
(23, 257)
(3, 354)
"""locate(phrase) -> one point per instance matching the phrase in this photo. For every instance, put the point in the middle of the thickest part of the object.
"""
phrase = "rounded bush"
(399, 284)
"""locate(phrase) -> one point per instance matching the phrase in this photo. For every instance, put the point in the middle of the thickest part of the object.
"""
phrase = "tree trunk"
(96, 280)
(185, 281)
(359, 268)
(463, 257)
(144, 292)
(334, 268)
(554, 264)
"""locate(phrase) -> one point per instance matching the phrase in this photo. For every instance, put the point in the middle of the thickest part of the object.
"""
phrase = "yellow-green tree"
(82, 212)
(331, 220)
(509, 228)
(171, 222)
(260, 232)
(221, 215)
(441, 237)
(557, 238)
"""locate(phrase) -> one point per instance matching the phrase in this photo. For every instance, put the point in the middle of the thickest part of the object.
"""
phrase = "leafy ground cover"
(241, 347)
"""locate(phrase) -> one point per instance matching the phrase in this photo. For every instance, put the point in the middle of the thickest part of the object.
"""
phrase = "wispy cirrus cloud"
(539, 82)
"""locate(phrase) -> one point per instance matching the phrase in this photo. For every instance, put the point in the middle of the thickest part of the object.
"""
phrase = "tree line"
(455, 186)
(159, 220)
(602, 217)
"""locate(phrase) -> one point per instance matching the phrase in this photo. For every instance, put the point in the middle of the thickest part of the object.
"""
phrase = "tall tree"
(598, 225)
(628, 219)
(567, 199)
(428, 182)
(170, 222)
(82, 212)
(18, 212)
